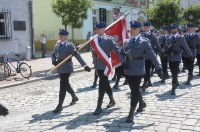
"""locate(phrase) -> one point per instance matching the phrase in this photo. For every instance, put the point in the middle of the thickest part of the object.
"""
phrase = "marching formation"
(138, 56)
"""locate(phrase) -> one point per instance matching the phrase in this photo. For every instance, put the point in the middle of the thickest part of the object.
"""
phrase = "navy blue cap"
(146, 23)
(173, 25)
(101, 25)
(165, 27)
(63, 32)
(135, 24)
(190, 24)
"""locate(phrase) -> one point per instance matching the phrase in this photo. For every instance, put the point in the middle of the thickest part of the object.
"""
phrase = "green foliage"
(72, 12)
(164, 12)
(192, 14)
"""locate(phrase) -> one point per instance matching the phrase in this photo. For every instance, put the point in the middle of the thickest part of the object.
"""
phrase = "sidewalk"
(40, 67)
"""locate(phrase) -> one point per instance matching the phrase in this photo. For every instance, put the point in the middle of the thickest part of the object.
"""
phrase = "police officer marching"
(133, 62)
(148, 64)
(61, 51)
(192, 40)
(163, 39)
(176, 44)
(106, 43)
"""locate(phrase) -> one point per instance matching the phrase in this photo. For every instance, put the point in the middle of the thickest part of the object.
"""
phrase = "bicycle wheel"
(4, 71)
(25, 70)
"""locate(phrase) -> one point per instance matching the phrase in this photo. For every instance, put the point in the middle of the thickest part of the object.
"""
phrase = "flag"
(119, 33)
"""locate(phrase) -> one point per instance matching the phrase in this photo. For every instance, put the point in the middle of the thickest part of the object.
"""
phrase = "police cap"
(173, 25)
(101, 25)
(190, 24)
(63, 32)
(135, 24)
(147, 23)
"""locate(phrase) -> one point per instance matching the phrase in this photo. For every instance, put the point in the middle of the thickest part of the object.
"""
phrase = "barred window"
(5, 24)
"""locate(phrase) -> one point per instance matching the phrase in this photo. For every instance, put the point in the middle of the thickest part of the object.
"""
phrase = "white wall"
(20, 39)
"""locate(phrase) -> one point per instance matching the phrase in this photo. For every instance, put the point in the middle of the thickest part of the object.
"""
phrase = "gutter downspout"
(31, 29)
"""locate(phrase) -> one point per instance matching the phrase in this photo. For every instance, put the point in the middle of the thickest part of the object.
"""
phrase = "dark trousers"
(189, 64)
(134, 84)
(43, 48)
(164, 63)
(198, 61)
(95, 77)
(148, 65)
(65, 86)
(174, 68)
(104, 85)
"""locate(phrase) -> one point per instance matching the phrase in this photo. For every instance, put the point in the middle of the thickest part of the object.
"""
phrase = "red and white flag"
(119, 33)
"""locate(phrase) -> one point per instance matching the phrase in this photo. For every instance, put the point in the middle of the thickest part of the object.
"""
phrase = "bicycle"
(4, 70)
(22, 67)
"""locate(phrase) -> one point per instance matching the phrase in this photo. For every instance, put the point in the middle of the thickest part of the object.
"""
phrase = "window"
(5, 24)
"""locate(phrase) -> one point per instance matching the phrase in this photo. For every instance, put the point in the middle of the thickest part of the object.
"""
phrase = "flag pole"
(82, 46)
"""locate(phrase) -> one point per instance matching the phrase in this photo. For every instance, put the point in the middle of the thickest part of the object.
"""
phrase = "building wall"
(20, 39)
(50, 25)
(186, 3)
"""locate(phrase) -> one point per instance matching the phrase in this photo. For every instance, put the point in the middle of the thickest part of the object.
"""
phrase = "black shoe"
(141, 107)
(74, 100)
(94, 85)
(111, 104)
(114, 78)
(130, 115)
(115, 86)
(149, 84)
(162, 81)
(58, 109)
(3, 110)
(97, 111)
(125, 83)
(173, 92)
(143, 87)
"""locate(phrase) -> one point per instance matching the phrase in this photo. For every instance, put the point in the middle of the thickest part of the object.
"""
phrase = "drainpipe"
(31, 29)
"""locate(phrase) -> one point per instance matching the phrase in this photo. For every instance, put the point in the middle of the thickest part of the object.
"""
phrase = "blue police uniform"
(162, 40)
(192, 41)
(61, 51)
(148, 64)
(107, 44)
(174, 53)
(132, 56)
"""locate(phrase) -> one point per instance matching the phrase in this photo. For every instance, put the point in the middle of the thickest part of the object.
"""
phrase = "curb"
(37, 79)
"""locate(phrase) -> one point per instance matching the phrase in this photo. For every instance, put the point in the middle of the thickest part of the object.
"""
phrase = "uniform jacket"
(154, 43)
(62, 52)
(179, 47)
(163, 41)
(137, 49)
(192, 43)
(107, 44)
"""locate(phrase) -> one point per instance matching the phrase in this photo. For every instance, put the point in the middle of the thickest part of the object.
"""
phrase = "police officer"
(176, 44)
(133, 62)
(148, 64)
(61, 51)
(163, 39)
(107, 44)
(192, 40)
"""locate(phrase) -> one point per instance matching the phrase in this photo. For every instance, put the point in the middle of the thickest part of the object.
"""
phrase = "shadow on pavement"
(167, 95)
(85, 89)
(85, 119)
(47, 116)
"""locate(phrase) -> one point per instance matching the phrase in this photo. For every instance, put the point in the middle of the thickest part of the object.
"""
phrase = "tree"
(192, 14)
(164, 12)
(72, 12)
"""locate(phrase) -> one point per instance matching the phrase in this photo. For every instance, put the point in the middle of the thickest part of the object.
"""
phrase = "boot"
(74, 99)
(174, 86)
(116, 84)
(149, 84)
(142, 105)
(144, 86)
(59, 108)
(190, 77)
(125, 82)
(130, 115)
(98, 110)
(112, 101)
(94, 85)
(163, 79)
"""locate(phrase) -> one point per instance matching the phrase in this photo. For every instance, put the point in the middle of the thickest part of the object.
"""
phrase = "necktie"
(173, 38)
(133, 40)
(99, 40)
(189, 36)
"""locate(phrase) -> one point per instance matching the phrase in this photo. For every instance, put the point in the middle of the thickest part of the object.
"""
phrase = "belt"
(133, 58)
(66, 61)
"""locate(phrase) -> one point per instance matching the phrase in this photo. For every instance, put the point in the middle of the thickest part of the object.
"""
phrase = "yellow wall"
(45, 21)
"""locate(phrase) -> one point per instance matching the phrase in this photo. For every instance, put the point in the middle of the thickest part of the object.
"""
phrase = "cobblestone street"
(30, 107)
